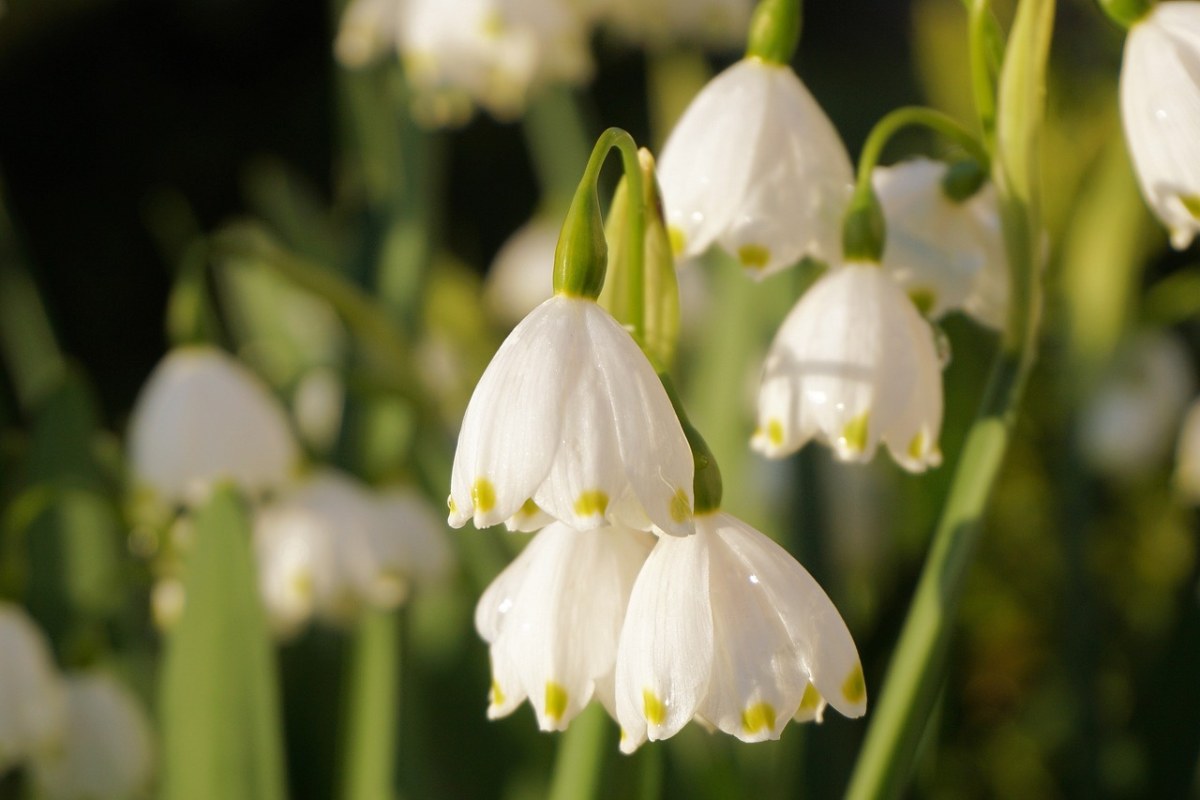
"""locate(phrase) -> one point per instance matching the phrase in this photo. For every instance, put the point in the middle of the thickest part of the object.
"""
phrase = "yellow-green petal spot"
(753, 256)
(556, 701)
(854, 435)
(854, 688)
(758, 717)
(451, 504)
(1192, 203)
(497, 694)
(775, 432)
(529, 508)
(681, 509)
(923, 299)
(593, 502)
(811, 700)
(653, 709)
(678, 240)
(917, 447)
(483, 495)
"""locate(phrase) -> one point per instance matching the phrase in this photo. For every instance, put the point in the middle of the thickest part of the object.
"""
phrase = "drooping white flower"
(948, 255)
(755, 166)
(202, 418)
(31, 697)
(570, 419)
(457, 53)
(519, 279)
(553, 618)
(662, 23)
(1127, 425)
(1187, 456)
(726, 627)
(107, 752)
(1160, 106)
(330, 546)
(854, 364)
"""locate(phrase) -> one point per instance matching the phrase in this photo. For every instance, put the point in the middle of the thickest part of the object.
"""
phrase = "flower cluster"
(82, 735)
(326, 544)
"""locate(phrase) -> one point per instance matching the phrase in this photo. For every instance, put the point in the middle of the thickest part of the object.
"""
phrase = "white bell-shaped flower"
(107, 752)
(202, 418)
(570, 419)
(31, 696)
(1160, 106)
(491, 52)
(755, 166)
(331, 546)
(519, 279)
(553, 619)
(1187, 456)
(726, 627)
(854, 364)
(1128, 424)
(947, 254)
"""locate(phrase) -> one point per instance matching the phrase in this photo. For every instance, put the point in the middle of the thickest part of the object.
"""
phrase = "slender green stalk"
(910, 116)
(918, 667)
(581, 756)
(774, 31)
(374, 696)
(986, 54)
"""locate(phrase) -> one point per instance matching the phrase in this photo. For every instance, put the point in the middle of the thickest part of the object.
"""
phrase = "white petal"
(511, 430)
(201, 418)
(1160, 107)
(1187, 459)
(818, 634)
(31, 697)
(666, 650)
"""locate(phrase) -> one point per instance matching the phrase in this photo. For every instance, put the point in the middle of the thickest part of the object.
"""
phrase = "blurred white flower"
(755, 166)
(1187, 456)
(726, 627)
(317, 404)
(1127, 425)
(521, 276)
(853, 364)
(331, 545)
(107, 752)
(948, 255)
(553, 619)
(457, 53)
(1160, 106)
(167, 600)
(662, 23)
(31, 697)
(202, 418)
(569, 418)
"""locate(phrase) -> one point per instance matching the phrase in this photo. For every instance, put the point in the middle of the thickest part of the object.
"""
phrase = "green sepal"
(1126, 13)
(707, 486)
(864, 229)
(581, 257)
(774, 31)
(963, 179)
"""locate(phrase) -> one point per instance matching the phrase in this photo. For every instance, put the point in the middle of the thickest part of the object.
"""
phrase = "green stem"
(774, 31)
(370, 734)
(581, 756)
(986, 53)
(918, 667)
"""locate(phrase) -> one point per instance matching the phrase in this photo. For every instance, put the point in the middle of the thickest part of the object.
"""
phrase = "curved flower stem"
(918, 667)
(909, 116)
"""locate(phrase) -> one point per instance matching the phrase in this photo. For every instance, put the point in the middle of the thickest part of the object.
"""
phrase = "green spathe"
(218, 697)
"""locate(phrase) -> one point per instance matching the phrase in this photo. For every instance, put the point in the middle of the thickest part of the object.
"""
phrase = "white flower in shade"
(491, 52)
(203, 418)
(571, 419)
(1127, 425)
(553, 619)
(520, 278)
(31, 697)
(755, 166)
(331, 545)
(1187, 456)
(1160, 106)
(726, 627)
(662, 23)
(948, 255)
(107, 752)
(368, 29)
(854, 364)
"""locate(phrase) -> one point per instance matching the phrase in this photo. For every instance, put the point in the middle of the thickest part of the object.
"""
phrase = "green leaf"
(218, 692)
(369, 765)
